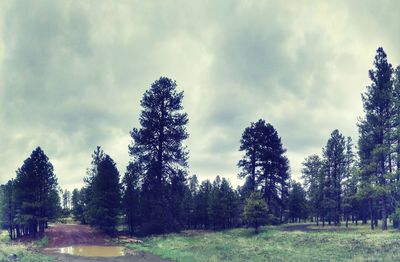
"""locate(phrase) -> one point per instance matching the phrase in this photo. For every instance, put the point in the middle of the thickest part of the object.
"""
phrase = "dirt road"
(64, 235)
(142, 257)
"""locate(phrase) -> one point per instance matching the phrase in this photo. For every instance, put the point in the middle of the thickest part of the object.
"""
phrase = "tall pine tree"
(158, 146)
(265, 166)
(105, 196)
(376, 135)
(34, 198)
(334, 169)
(314, 181)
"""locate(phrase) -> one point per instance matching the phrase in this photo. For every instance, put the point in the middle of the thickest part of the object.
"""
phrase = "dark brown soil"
(140, 257)
(63, 235)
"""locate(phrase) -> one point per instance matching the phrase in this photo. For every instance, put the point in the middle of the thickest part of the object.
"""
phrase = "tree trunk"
(10, 232)
(384, 213)
(372, 214)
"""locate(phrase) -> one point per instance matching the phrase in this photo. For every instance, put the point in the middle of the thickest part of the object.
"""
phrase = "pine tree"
(216, 212)
(88, 191)
(66, 201)
(314, 180)
(265, 166)
(53, 205)
(157, 145)
(334, 169)
(223, 208)
(176, 191)
(376, 134)
(230, 204)
(297, 203)
(78, 205)
(105, 196)
(396, 136)
(250, 143)
(131, 194)
(350, 200)
(350, 184)
(396, 124)
(35, 195)
(202, 205)
(189, 202)
(255, 211)
(8, 208)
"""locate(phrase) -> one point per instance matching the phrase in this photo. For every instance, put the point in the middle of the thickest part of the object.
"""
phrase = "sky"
(72, 74)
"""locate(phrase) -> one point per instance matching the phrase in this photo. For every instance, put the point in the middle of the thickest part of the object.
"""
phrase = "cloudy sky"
(72, 74)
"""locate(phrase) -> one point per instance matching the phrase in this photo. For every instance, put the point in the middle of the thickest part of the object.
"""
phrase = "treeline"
(156, 195)
(331, 182)
(31, 200)
(66, 202)
(193, 205)
(343, 186)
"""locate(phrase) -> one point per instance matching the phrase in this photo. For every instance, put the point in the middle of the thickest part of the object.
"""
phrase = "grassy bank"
(282, 243)
(8, 247)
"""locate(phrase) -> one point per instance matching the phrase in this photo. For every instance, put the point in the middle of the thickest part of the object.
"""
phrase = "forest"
(341, 185)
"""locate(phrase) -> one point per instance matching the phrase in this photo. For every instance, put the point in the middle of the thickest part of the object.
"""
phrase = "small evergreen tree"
(105, 196)
(88, 192)
(130, 196)
(202, 205)
(255, 211)
(297, 203)
(78, 205)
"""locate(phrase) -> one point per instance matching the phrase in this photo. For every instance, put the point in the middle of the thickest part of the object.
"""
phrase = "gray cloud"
(72, 75)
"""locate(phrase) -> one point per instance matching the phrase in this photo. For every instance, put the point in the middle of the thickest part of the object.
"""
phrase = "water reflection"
(93, 251)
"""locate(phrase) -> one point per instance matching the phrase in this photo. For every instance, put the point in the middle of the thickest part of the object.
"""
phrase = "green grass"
(66, 220)
(8, 247)
(41, 243)
(277, 244)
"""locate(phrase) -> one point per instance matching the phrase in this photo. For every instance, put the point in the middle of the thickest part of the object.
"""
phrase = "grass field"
(297, 242)
(281, 243)
(7, 247)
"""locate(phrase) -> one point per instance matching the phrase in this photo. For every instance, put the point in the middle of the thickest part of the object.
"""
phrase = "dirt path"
(142, 257)
(64, 235)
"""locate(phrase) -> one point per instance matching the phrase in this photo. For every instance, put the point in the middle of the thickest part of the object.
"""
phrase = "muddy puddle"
(92, 251)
